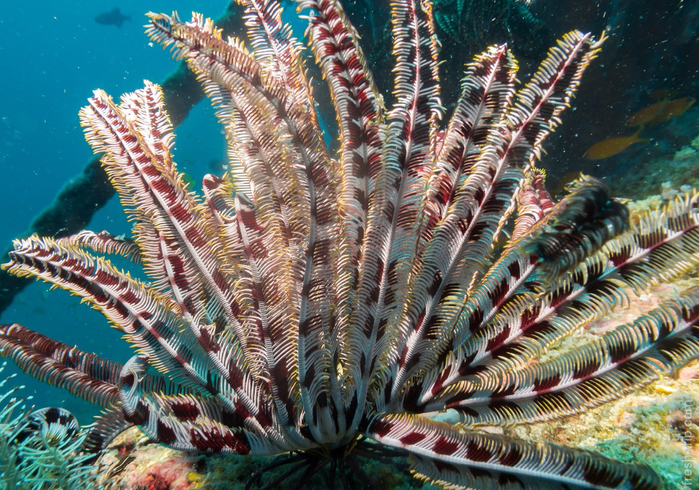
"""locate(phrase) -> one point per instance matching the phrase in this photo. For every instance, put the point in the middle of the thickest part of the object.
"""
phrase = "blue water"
(54, 56)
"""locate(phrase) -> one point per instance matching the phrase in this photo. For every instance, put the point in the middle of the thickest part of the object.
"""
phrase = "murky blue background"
(54, 55)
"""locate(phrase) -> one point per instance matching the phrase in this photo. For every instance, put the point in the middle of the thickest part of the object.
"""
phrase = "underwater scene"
(326, 244)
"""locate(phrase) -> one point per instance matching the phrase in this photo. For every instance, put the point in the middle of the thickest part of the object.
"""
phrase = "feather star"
(330, 306)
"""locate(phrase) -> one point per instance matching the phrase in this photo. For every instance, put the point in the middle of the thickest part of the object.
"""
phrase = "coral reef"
(660, 179)
(132, 461)
(657, 426)
(41, 450)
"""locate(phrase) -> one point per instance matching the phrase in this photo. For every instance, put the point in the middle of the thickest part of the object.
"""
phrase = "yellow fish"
(674, 108)
(647, 114)
(613, 146)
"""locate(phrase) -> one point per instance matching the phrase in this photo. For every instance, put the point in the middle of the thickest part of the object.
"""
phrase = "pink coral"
(170, 474)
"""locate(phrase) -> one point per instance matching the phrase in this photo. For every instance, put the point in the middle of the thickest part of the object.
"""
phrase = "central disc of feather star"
(323, 304)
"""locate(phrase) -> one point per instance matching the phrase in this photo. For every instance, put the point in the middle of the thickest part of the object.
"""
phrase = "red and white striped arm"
(452, 456)
(617, 363)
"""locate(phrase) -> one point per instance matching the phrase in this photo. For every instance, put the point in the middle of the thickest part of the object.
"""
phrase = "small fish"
(612, 146)
(113, 18)
(647, 114)
(674, 108)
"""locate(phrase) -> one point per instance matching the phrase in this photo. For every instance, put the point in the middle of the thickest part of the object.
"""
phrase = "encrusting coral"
(661, 179)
